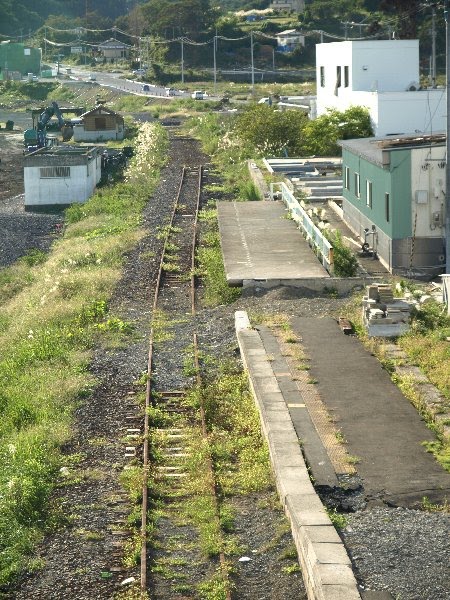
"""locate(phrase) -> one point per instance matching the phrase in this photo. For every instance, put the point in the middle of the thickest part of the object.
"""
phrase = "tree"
(321, 136)
(167, 18)
(270, 132)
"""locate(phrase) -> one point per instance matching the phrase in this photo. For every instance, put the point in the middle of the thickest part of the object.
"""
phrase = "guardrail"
(313, 235)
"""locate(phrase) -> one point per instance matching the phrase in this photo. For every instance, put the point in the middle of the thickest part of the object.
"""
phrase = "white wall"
(396, 112)
(385, 65)
(428, 177)
(59, 190)
(374, 65)
(80, 135)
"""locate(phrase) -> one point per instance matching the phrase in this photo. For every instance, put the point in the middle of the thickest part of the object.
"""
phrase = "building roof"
(112, 43)
(371, 149)
(100, 109)
(289, 33)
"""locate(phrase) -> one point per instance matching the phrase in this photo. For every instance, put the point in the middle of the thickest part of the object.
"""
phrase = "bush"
(345, 262)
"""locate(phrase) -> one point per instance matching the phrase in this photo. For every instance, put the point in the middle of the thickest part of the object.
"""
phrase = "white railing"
(313, 235)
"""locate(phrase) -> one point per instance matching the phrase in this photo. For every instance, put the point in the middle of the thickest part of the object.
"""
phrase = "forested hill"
(18, 17)
(400, 18)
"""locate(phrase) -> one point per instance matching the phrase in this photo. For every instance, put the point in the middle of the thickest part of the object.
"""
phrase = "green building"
(20, 58)
(394, 199)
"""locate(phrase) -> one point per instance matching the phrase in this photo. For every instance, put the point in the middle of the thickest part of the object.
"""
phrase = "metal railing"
(318, 242)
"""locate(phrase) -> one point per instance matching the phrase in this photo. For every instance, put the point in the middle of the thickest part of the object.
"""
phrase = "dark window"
(338, 77)
(346, 78)
(100, 123)
(322, 76)
(54, 172)
(387, 207)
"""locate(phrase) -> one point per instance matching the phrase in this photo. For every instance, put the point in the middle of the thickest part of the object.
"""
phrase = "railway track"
(172, 427)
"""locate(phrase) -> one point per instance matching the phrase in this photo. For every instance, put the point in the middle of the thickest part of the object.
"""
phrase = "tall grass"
(48, 325)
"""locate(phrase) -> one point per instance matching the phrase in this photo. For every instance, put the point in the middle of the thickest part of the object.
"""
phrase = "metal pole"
(273, 58)
(447, 170)
(182, 61)
(215, 66)
(253, 65)
(433, 47)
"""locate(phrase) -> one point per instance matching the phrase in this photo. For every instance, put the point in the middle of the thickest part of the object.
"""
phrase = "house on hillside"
(382, 75)
(99, 125)
(394, 198)
(61, 175)
(113, 50)
(289, 40)
(297, 6)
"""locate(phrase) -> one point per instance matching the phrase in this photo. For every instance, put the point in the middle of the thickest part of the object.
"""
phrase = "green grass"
(53, 313)
(210, 263)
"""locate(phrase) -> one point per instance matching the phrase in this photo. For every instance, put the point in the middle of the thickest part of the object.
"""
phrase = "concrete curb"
(326, 567)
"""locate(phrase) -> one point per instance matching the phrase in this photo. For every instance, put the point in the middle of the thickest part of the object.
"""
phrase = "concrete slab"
(306, 509)
(259, 243)
(380, 425)
(339, 592)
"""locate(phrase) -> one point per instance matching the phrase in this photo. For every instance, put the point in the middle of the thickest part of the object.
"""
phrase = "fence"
(313, 235)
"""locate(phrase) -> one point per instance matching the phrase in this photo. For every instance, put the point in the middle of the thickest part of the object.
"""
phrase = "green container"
(46, 73)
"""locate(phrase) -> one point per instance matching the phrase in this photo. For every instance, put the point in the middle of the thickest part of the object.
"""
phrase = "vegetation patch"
(51, 320)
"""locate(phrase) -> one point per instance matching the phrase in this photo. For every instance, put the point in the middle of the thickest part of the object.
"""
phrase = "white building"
(61, 175)
(289, 5)
(288, 40)
(382, 75)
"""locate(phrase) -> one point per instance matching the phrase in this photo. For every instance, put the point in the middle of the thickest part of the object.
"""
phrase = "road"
(119, 82)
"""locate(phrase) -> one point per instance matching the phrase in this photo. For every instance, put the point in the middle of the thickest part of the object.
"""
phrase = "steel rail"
(214, 491)
(148, 396)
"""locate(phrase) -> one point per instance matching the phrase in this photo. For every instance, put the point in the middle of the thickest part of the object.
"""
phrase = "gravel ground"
(403, 551)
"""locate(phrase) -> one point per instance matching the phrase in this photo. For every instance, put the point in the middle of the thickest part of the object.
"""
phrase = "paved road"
(380, 425)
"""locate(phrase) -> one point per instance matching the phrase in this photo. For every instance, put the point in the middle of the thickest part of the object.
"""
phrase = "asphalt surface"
(381, 427)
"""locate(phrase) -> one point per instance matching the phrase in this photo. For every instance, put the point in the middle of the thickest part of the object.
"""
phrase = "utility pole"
(447, 170)
(253, 64)
(182, 60)
(215, 65)
(433, 46)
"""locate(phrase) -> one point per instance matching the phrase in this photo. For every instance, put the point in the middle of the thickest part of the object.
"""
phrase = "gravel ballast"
(400, 550)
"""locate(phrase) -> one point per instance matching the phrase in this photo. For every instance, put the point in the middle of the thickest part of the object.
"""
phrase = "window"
(322, 76)
(338, 77)
(347, 178)
(369, 193)
(100, 123)
(387, 207)
(357, 186)
(346, 78)
(54, 172)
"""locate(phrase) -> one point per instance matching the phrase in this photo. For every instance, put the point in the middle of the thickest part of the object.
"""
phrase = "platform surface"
(260, 242)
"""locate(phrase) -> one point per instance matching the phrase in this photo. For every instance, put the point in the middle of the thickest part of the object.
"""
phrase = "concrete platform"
(260, 243)
(381, 426)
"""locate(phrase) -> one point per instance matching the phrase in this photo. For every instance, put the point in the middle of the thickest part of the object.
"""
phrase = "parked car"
(197, 95)
(170, 92)
(265, 101)
(139, 71)
(93, 77)
(146, 88)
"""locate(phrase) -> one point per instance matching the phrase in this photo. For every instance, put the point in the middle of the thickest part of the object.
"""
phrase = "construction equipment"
(36, 137)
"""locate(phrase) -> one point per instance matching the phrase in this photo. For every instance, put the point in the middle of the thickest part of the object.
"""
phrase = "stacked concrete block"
(384, 315)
